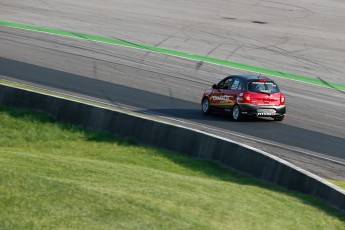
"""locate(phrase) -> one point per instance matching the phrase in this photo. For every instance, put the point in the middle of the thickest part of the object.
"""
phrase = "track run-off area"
(158, 57)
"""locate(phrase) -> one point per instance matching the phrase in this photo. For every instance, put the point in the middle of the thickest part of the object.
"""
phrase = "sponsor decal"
(263, 83)
(223, 98)
(265, 114)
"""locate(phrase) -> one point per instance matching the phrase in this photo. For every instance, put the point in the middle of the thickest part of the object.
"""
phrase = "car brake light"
(282, 99)
(262, 80)
(246, 97)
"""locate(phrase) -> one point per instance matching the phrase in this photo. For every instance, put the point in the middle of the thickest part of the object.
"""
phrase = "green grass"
(340, 184)
(55, 176)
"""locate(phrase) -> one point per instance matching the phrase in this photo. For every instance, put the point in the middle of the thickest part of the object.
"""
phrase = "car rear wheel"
(236, 113)
(205, 106)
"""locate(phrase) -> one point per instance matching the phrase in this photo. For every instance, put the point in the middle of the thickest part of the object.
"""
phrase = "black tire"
(236, 113)
(278, 118)
(205, 106)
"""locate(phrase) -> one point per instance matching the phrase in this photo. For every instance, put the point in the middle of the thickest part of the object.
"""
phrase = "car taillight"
(246, 97)
(282, 99)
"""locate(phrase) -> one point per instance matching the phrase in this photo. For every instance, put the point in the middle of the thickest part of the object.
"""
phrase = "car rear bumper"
(263, 111)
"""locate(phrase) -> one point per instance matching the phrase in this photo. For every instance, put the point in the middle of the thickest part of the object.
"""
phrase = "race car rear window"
(263, 87)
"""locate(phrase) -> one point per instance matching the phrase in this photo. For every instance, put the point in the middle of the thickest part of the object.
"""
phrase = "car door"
(220, 97)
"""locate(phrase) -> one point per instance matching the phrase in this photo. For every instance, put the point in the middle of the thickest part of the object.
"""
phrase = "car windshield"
(263, 87)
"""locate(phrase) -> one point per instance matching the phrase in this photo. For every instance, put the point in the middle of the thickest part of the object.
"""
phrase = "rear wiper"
(264, 93)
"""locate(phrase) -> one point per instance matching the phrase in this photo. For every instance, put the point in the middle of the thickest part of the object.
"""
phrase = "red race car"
(245, 96)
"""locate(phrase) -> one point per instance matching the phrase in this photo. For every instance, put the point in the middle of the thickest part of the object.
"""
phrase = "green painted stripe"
(180, 54)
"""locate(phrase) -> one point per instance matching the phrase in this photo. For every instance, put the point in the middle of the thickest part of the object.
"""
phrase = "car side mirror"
(214, 86)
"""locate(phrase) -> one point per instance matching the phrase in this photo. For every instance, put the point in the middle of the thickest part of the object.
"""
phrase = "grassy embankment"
(55, 176)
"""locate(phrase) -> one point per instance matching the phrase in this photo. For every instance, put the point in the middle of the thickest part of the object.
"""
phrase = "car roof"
(250, 77)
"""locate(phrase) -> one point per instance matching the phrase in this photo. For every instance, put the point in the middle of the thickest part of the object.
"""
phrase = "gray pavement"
(304, 37)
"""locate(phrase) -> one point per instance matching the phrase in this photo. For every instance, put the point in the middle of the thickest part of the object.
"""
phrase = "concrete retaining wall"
(242, 158)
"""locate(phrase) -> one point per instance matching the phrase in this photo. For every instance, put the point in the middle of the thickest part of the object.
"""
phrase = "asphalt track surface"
(301, 37)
